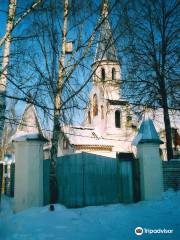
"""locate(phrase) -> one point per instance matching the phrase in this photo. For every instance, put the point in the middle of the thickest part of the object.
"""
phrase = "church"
(110, 125)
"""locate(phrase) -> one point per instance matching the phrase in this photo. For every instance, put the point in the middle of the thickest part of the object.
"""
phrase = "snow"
(6, 207)
(111, 222)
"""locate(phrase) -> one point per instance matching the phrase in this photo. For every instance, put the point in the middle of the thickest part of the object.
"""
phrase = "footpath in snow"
(111, 222)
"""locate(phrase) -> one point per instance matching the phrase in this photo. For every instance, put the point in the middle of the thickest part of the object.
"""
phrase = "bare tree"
(6, 40)
(57, 108)
(153, 63)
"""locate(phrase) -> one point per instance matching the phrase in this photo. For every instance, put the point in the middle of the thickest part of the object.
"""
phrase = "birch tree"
(3, 78)
(12, 23)
(57, 106)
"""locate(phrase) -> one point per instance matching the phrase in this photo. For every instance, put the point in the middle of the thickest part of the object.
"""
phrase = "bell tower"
(106, 67)
(106, 77)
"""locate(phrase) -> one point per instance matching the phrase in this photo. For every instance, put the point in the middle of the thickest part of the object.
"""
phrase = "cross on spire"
(105, 9)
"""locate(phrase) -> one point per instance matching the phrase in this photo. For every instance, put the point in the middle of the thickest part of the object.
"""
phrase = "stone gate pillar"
(28, 171)
(151, 177)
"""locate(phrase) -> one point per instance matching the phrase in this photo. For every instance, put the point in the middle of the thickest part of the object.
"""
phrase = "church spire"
(105, 47)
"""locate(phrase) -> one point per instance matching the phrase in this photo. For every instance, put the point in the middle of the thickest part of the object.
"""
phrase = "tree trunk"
(167, 123)
(5, 62)
(53, 185)
(57, 111)
(167, 130)
(164, 89)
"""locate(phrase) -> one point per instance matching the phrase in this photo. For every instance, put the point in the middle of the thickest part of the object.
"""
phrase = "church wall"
(97, 121)
(111, 128)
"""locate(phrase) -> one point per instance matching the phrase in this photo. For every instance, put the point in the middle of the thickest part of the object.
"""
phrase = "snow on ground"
(111, 222)
(5, 207)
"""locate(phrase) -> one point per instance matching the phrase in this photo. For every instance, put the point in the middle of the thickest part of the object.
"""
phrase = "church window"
(113, 74)
(95, 105)
(103, 75)
(117, 119)
(102, 112)
(89, 117)
(65, 143)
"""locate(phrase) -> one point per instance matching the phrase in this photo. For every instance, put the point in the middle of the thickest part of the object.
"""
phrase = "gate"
(86, 179)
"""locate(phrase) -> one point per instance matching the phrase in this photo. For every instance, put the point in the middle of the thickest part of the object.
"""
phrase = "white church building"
(109, 126)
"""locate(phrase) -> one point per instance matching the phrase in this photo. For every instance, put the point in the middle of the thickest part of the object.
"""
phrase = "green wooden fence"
(87, 179)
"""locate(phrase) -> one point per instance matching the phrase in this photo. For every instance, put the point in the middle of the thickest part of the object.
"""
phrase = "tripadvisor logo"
(139, 231)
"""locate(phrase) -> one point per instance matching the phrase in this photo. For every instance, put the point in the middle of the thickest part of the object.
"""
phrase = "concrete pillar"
(151, 178)
(28, 171)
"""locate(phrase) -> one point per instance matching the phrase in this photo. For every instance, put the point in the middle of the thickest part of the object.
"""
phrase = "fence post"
(28, 171)
(12, 179)
(151, 180)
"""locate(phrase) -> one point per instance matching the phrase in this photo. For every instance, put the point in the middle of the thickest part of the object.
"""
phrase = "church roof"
(105, 47)
(84, 136)
(88, 137)
(29, 123)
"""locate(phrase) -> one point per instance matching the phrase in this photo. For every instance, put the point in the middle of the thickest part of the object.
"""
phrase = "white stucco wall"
(28, 175)
(151, 177)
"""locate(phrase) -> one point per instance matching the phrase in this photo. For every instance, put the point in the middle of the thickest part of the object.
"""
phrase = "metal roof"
(105, 47)
(147, 133)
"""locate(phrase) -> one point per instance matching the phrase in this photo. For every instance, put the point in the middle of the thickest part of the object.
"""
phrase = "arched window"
(113, 74)
(102, 112)
(103, 75)
(117, 119)
(65, 143)
(89, 117)
(95, 105)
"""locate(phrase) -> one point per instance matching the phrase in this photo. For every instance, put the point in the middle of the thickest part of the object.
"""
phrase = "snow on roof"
(79, 135)
(29, 123)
